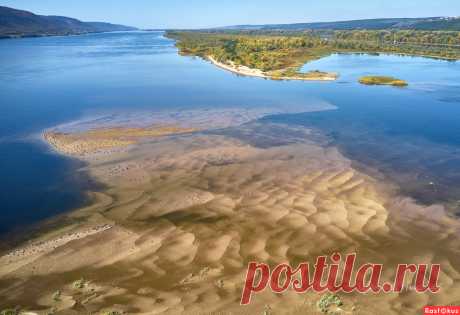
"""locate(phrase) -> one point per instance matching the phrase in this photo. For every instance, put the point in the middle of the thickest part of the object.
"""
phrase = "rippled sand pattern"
(188, 213)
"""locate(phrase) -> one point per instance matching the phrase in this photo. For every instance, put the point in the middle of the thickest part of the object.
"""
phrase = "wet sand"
(183, 214)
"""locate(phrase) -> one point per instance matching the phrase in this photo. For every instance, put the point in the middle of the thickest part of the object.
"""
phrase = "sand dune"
(189, 212)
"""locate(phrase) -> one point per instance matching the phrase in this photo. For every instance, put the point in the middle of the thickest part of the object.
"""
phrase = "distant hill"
(431, 23)
(23, 23)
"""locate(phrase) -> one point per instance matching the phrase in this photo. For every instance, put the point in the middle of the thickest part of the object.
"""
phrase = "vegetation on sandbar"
(382, 80)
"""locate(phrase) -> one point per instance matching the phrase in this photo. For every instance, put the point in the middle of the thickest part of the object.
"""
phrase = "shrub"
(79, 284)
(57, 295)
(328, 300)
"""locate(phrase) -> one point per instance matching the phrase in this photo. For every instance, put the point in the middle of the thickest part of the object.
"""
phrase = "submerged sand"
(183, 214)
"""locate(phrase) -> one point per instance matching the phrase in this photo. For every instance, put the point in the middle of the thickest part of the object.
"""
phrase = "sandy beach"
(250, 72)
(183, 213)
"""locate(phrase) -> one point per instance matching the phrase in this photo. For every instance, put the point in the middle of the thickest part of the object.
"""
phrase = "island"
(382, 80)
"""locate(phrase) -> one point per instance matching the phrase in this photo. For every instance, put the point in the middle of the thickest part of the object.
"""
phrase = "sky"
(211, 13)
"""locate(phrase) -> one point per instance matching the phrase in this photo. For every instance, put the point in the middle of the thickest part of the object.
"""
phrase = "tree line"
(277, 50)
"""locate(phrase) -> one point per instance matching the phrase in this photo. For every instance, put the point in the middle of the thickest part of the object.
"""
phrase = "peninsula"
(274, 75)
(280, 54)
(265, 56)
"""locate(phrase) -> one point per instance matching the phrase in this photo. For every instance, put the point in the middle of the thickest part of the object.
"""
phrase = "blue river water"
(412, 134)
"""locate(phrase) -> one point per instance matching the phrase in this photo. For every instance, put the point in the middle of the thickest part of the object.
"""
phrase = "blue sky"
(207, 13)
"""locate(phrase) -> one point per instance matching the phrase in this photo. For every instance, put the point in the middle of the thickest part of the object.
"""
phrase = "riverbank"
(251, 72)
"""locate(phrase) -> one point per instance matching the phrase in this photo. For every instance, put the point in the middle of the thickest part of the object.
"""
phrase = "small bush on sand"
(79, 284)
(328, 300)
(57, 295)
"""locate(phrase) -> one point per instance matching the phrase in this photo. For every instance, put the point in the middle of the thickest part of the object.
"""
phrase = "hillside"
(23, 23)
(431, 23)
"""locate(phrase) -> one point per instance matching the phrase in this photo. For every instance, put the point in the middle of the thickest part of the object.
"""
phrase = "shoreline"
(38, 247)
(251, 72)
(327, 77)
(24, 36)
(395, 54)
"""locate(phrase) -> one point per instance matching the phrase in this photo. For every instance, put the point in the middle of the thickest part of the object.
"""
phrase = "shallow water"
(411, 134)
